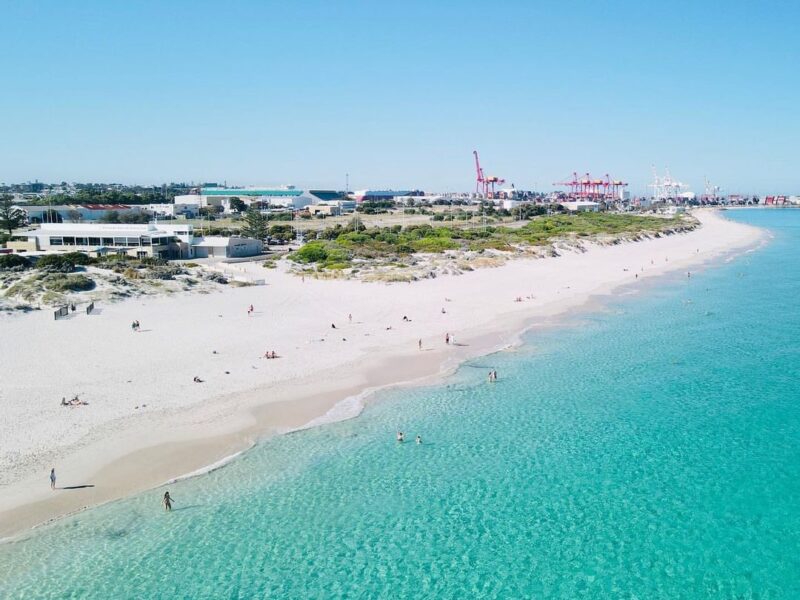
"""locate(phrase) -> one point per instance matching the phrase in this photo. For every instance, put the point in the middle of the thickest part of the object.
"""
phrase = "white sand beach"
(147, 421)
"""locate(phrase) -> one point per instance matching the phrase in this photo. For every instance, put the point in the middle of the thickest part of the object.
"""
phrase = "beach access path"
(147, 421)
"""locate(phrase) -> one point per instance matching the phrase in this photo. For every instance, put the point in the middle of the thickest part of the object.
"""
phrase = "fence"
(61, 312)
(90, 308)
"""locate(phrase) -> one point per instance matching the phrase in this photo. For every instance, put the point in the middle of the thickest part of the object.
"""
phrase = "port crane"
(484, 185)
(587, 188)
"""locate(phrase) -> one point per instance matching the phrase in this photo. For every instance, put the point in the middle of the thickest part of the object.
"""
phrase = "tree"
(111, 216)
(237, 205)
(210, 211)
(255, 224)
(74, 216)
(134, 218)
(11, 217)
(284, 233)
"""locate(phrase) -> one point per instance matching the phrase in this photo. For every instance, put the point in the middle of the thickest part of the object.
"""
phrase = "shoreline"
(212, 433)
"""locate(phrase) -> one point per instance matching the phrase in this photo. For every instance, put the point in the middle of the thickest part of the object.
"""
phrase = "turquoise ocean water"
(648, 450)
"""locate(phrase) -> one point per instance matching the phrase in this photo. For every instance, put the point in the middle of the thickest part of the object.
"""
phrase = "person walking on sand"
(419, 343)
(350, 318)
(52, 478)
(167, 501)
(446, 338)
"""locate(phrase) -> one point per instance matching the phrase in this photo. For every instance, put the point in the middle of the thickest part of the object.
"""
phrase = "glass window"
(56, 241)
(108, 241)
(69, 241)
(120, 241)
(94, 241)
(145, 241)
(81, 241)
(133, 241)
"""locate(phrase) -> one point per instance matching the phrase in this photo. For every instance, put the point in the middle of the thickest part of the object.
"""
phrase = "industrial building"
(77, 212)
(265, 198)
(382, 195)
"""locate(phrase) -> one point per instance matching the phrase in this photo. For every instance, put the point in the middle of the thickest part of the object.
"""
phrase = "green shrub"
(59, 263)
(14, 262)
(78, 258)
(434, 244)
(58, 282)
(312, 252)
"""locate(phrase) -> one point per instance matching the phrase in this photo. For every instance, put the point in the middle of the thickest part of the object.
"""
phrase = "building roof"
(97, 230)
(105, 206)
(326, 194)
(58, 207)
(257, 192)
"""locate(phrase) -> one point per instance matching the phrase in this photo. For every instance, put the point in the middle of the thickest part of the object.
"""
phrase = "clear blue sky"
(399, 94)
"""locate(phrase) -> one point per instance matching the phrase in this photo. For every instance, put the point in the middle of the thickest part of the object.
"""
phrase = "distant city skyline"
(398, 96)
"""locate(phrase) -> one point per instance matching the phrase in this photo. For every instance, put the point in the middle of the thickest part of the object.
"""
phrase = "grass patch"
(59, 282)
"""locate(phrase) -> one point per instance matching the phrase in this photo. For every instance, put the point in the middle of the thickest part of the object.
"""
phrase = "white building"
(581, 206)
(177, 209)
(154, 240)
(282, 197)
(107, 238)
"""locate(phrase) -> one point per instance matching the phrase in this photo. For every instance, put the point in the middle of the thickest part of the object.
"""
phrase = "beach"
(147, 421)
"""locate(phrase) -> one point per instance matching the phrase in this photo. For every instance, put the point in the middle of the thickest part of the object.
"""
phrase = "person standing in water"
(53, 478)
(167, 501)
(418, 439)
(401, 437)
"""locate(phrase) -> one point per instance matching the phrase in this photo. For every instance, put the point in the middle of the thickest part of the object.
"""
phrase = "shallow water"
(651, 450)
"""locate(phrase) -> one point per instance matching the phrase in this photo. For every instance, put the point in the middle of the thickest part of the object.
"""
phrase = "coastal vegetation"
(355, 246)
(55, 279)
(14, 262)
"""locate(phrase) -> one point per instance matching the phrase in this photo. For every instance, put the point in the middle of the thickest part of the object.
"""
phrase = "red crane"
(485, 185)
(574, 184)
(480, 185)
(592, 189)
